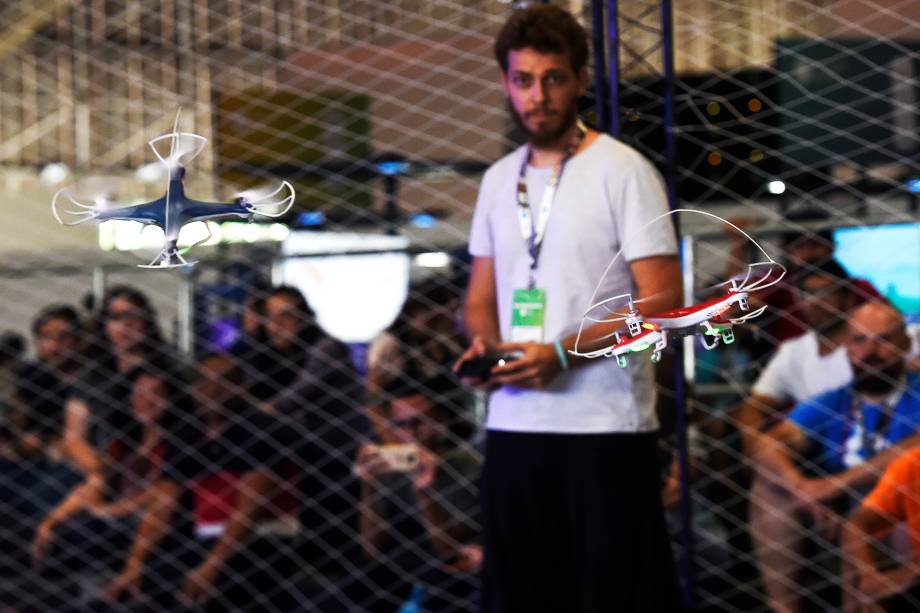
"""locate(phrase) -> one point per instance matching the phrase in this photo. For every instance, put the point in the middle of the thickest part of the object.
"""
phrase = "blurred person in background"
(88, 536)
(307, 377)
(831, 449)
(226, 485)
(803, 252)
(422, 343)
(874, 579)
(809, 364)
(34, 477)
(127, 342)
(439, 493)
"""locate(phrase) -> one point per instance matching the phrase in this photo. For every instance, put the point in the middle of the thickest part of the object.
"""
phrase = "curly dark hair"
(545, 28)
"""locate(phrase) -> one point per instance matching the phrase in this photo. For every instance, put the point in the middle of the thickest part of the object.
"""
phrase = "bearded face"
(877, 357)
(543, 91)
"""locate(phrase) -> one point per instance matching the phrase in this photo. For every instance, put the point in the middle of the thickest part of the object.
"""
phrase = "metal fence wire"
(279, 428)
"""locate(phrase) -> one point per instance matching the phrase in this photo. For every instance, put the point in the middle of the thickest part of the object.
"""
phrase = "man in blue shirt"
(832, 448)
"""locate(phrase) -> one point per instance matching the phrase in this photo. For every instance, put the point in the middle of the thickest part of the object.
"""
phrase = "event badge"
(528, 312)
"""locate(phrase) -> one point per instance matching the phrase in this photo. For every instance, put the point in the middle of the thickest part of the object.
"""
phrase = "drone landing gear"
(169, 257)
(728, 336)
(659, 347)
(621, 361)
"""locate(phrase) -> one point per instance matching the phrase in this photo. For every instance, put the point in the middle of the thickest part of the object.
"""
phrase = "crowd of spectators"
(136, 478)
(274, 475)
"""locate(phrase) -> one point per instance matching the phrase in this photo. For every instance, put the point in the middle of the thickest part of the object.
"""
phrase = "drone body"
(174, 209)
(653, 331)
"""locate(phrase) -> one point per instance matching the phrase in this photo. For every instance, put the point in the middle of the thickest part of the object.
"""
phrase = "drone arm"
(203, 211)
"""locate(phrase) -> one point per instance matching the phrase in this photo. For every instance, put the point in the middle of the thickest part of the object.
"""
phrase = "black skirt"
(573, 523)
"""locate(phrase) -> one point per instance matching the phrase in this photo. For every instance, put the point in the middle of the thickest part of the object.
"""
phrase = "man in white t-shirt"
(572, 512)
(807, 365)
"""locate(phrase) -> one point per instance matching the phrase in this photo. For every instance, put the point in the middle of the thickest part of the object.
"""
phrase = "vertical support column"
(601, 102)
(613, 66)
(185, 314)
(687, 561)
(100, 279)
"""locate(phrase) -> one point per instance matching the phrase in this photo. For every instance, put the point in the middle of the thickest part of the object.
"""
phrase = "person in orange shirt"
(894, 501)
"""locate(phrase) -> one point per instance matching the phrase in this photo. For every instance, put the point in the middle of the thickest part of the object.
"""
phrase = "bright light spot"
(423, 220)
(433, 259)
(754, 105)
(640, 347)
(54, 174)
(913, 186)
(713, 108)
(776, 187)
(714, 158)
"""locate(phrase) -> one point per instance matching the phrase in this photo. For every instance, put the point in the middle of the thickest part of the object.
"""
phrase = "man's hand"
(426, 470)
(42, 541)
(535, 369)
(369, 464)
(812, 491)
(469, 559)
(200, 585)
(479, 346)
(126, 585)
(813, 496)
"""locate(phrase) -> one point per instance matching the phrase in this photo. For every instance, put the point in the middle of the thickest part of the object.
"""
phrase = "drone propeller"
(68, 216)
(268, 202)
(629, 303)
(747, 316)
(183, 147)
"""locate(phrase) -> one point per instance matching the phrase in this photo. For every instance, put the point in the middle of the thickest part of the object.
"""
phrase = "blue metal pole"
(613, 65)
(670, 151)
(601, 103)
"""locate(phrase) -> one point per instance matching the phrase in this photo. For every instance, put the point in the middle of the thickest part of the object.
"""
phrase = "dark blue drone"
(174, 209)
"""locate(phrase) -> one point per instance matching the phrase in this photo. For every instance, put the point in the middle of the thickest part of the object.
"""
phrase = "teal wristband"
(560, 353)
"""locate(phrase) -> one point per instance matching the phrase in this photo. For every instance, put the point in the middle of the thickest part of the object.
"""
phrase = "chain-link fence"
(278, 427)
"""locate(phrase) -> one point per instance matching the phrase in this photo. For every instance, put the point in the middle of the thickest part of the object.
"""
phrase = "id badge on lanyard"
(529, 304)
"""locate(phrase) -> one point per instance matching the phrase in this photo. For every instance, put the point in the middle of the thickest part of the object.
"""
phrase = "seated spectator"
(90, 530)
(130, 343)
(422, 343)
(804, 250)
(440, 493)
(853, 431)
(226, 477)
(807, 365)
(895, 501)
(308, 377)
(34, 478)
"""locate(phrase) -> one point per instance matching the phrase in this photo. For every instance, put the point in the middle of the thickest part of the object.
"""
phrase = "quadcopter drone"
(174, 210)
(708, 318)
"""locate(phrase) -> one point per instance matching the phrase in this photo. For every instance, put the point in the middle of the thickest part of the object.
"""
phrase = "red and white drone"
(710, 318)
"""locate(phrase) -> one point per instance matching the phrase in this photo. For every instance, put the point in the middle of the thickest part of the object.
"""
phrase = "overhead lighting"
(776, 187)
(54, 173)
(433, 259)
(423, 220)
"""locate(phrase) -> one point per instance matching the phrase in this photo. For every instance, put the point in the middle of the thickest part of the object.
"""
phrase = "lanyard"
(870, 437)
(531, 232)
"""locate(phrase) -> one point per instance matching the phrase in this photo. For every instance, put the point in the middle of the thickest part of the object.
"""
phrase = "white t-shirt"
(797, 372)
(606, 194)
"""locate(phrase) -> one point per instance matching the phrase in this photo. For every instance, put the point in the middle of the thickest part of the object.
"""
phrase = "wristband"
(560, 353)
